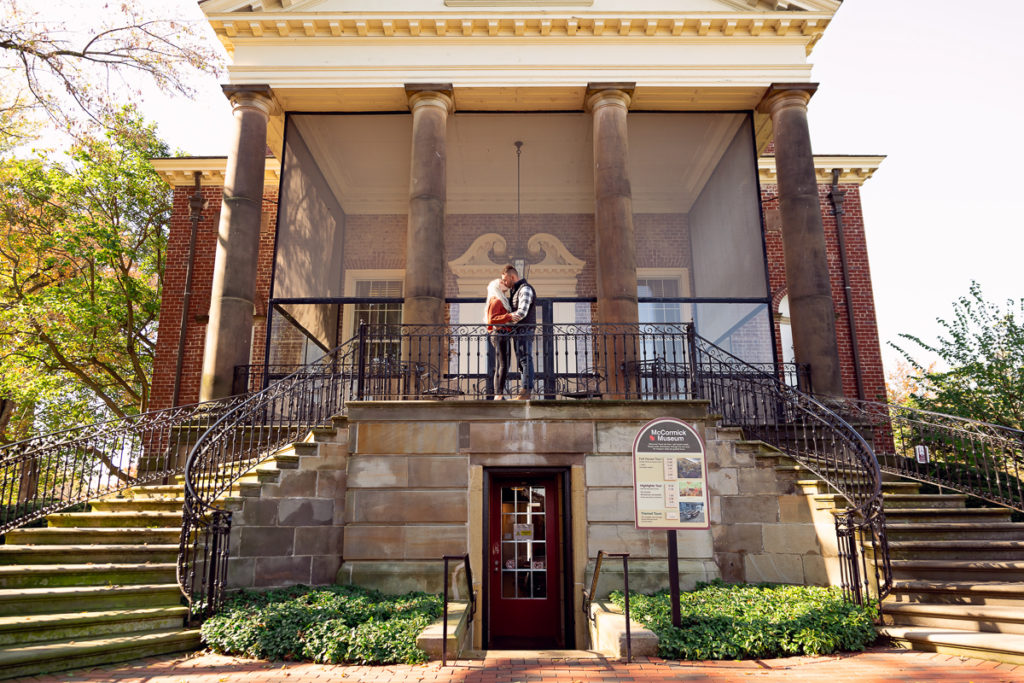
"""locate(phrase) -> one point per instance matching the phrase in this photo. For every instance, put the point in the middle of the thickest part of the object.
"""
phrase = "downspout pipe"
(837, 196)
(195, 205)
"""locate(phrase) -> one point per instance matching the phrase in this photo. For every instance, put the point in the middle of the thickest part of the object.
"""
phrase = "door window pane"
(524, 562)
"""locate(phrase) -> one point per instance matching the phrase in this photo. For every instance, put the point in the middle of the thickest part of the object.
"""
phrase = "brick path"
(875, 666)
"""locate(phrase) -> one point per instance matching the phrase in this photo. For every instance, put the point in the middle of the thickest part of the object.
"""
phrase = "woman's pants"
(502, 344)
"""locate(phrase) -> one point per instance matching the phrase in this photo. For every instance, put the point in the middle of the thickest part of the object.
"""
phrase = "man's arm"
(526, 295)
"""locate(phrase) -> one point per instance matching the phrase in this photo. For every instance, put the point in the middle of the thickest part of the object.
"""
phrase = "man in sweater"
(523, 298)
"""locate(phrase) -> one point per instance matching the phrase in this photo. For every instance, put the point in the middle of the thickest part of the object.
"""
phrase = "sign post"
(670, 487)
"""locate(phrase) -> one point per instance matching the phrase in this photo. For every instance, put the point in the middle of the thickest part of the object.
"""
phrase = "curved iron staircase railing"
(816, 436)
(976, 458)
(252, 431)
(51, 472)
(655, 361)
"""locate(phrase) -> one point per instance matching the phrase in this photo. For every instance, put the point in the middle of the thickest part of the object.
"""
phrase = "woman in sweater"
(499, 318)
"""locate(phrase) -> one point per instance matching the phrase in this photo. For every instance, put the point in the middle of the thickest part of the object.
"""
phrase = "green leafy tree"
(982, 345)
(82, 247)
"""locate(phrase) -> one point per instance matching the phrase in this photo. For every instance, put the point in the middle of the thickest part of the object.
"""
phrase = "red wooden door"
(524, 589)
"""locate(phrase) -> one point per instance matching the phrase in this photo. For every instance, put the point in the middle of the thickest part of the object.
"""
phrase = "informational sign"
(922, 454)
(670, 476)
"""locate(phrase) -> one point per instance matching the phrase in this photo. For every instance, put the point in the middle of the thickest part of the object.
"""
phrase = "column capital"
(440, 95)
(605, 94)
(781, 95)
(258, 97)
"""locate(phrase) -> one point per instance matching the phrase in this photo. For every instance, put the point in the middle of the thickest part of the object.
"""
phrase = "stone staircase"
(958, 572)
(94, 587)
(100, 587)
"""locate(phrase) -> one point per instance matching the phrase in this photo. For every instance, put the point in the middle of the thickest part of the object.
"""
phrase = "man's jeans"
(523, 340)
(489, 377)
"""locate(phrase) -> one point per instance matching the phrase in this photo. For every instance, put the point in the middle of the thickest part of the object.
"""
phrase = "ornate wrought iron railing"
(252, 431)
(814, 435)
(51, 472)
(976, 458)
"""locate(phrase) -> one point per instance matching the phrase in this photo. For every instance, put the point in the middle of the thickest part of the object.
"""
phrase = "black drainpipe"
(195, 205)
(837, 196)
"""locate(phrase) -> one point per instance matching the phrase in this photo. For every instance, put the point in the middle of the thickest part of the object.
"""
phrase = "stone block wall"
(292, 531)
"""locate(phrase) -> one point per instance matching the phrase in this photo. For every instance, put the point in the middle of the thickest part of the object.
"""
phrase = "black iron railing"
(589, 595)
(977, 458)
(638, 362)
(464, 559)
(813, 434)
(251, 432)
(51, 472)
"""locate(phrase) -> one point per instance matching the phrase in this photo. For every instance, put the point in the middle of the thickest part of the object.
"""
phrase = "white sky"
(935, 85)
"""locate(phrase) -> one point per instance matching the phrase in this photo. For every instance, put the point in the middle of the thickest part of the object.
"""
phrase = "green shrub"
(721, 621)
(328, 625)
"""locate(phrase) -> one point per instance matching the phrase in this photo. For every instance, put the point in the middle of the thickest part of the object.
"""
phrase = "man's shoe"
(524, 395)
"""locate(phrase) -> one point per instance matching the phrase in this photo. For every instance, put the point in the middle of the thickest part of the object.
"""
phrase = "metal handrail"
(976, 458)
(588, 596)
(251, 432)
(472, 602)
(50, 472)
(814, 435)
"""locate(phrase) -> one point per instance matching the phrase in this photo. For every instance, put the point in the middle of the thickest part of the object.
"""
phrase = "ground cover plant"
(331, 624)
(745, 621)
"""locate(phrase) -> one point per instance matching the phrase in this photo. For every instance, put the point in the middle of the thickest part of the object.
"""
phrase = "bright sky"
(936, 87)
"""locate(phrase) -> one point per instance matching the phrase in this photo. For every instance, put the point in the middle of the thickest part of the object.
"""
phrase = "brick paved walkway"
(875, 666)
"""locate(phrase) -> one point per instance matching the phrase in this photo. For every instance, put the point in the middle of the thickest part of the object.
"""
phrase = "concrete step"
(137, 505)
(957, 592)
(934, 515)
(21, 629)
(89, 535)
(982, 618)
(1000, 647)
(819, 486)
(954, 550)
(39, 658)
(953, 570)
(950, 531)
(53, 575)
(120, 520)
(86, 554)
(24, 601)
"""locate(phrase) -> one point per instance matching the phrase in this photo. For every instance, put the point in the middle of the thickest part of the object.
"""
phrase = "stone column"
(424, 251)
(803, 237)
(614, 236)
(229, 331)
(613, 210)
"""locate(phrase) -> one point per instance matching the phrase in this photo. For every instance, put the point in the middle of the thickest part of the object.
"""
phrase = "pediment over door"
(605, 6)
(552, 269)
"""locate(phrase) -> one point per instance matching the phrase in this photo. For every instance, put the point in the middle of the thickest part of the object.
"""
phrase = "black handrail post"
(361, 361)
(444, 627)
(625, 581)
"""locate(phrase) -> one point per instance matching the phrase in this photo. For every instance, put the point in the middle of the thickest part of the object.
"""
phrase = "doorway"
(526, 560)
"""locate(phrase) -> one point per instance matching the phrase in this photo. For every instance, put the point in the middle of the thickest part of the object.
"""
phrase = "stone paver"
(874, 666)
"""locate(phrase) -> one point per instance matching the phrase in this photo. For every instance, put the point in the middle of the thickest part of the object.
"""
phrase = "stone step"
(948, 531)
(933, 515)
(894, 501)
(819, 486)
(137, 504)
(90, 535)
(954, 550)
(86, 554)
(40, 658)
(121, 520)
(952, 570)
(153, 492)
(24, 601)
(846, 473)
(957, 592)
(36, 628)
(1000, 647)
(53, 575)
(982, 618)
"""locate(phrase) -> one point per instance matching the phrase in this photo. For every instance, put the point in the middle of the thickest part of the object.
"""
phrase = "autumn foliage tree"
(82, 247)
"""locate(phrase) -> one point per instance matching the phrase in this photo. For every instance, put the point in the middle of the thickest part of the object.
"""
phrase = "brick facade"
(378, 242)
